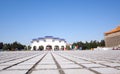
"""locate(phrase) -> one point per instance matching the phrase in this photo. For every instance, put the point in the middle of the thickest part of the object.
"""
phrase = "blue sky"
(73, 20)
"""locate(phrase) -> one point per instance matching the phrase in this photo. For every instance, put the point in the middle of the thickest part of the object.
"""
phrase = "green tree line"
(15, 46)
(88, 45)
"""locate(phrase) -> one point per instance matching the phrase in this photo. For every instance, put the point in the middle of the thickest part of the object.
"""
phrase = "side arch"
(41, 47)
(56, 47)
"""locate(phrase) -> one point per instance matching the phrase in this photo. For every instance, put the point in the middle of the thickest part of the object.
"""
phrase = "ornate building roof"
(48, 37)
(113, 31)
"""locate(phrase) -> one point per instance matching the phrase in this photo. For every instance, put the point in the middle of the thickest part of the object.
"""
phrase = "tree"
(13, 46)
(73, 45)
(80, 45)
(29, 47)
(17, 46)
(67, 47)
(1, 45)
(6, 47)
(89, 45)
(25, 48)
(102, 43)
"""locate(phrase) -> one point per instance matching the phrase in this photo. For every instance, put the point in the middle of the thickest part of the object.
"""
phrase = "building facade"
(112, 38)
(48, 43)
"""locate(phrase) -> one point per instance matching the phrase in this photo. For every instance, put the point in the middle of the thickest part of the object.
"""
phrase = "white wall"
(48, 42)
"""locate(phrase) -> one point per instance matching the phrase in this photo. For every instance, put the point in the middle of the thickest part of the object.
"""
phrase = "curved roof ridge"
(51, 37)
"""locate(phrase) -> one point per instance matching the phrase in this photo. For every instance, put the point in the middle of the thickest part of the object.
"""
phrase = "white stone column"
(44, 47)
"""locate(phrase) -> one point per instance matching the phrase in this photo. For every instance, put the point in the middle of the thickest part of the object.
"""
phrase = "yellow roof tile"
(113, 31)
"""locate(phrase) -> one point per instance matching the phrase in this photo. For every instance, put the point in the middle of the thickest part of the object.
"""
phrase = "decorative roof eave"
(56, 38)
(48, 37)
(62, 40)
(34, 39)
(113, 31)
(41, 38)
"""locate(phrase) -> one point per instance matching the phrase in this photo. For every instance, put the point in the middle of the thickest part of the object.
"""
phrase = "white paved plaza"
(60, 62)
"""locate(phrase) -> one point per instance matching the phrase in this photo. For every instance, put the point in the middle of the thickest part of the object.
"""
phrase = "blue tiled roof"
(57, 38)
(40, 38)
(62, 40)
(48, 36)
(34, 39)
(51, 37)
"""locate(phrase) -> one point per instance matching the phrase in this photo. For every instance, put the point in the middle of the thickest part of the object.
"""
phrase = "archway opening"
(56, 47)
(62, 47)
(34, 48)
(48, 47)
(41, 48)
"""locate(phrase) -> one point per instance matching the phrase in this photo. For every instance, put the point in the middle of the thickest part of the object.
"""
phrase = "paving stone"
(66, 63)
(13, 72)
(92, 65)
(62, 60)
(22, 67)
(8, 63)
(27, 63)
(112, 64)
(83, 62)
(70, 66)
(78, 71)
(46, 67)
(46, 63)
(118, 68)
(100, 61)
(2, 67)
(107, 70)
(45, 72)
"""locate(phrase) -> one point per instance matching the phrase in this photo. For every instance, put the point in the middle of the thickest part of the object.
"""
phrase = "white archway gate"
(48, 43)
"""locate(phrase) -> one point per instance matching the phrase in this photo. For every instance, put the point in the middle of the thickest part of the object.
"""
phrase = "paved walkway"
(60, 62)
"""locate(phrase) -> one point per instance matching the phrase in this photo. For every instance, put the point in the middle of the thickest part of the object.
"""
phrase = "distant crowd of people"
(117, 48)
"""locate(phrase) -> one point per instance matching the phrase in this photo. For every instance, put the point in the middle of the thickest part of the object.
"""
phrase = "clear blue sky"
(73, 20)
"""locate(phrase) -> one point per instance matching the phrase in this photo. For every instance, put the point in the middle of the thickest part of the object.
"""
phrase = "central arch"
(48, 47)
